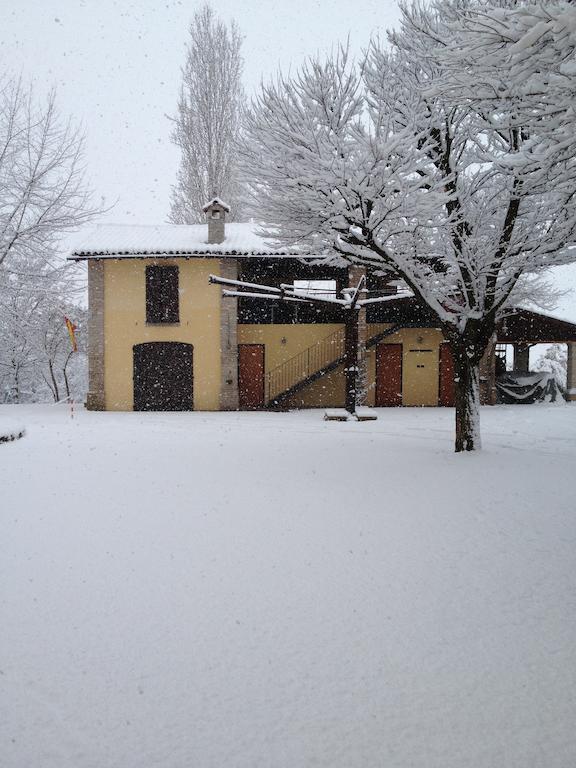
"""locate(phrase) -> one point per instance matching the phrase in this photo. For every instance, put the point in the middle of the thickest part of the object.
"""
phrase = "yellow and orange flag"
(71, 328)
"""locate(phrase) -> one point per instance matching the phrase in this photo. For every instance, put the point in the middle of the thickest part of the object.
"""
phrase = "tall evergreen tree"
(207, 122)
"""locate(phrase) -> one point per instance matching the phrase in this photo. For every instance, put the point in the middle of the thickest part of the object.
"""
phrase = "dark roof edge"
(85, 255)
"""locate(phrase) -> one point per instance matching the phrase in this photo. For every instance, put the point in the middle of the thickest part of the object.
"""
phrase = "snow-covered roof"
(526, 326)
(131, 241)
(216, 201)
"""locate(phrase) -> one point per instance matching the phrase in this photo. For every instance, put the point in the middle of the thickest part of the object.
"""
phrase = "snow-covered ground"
(274, 591)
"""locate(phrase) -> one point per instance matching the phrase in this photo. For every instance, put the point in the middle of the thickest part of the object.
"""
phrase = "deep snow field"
(268, 590)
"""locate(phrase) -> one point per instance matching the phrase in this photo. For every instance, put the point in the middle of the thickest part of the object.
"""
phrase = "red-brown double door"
(388, 375)
(251, 376)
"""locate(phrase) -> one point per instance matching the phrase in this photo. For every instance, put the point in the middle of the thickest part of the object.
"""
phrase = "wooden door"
(389, 375)
(163, 376)
(446, 384)
(251, 376)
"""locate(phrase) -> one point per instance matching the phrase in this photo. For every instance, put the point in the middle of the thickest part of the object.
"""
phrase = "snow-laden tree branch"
(42, 188)
(43, 195)
(386, 163)
(525, 57)
(208, 118)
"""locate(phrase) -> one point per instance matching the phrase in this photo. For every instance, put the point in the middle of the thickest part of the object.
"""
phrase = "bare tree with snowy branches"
(381, 163)
(208, 119)
(43, 195)
(35, 350)
(42, 188)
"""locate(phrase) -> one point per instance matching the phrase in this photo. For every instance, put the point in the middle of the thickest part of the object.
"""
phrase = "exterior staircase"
(301, 370)
(307, 366)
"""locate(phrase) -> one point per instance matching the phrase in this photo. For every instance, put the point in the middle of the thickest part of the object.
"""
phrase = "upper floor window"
(321, 288)
(162, 298)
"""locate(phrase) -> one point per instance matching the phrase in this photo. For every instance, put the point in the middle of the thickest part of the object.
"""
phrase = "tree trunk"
(55, 390)
(16, 387)
(467, 399)
(65, 373)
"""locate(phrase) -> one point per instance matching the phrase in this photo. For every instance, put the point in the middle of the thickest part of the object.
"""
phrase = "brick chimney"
(216, 211)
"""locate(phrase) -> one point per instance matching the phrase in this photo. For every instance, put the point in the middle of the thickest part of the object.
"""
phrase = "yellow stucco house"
(161, 337)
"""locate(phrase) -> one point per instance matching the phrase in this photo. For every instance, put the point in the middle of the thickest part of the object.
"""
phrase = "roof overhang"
(86, 255)
(519, 326)
(522, 326)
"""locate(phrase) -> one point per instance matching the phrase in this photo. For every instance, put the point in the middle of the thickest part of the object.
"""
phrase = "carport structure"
(523, 328)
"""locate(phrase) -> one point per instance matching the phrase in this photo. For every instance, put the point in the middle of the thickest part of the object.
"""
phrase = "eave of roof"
(529, 327)
(517, 327)
(142, 254)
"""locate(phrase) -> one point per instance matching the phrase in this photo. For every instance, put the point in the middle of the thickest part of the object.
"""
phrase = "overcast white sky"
(116, 67)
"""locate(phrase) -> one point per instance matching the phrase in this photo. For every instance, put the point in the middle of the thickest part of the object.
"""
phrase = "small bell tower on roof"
(216, 211)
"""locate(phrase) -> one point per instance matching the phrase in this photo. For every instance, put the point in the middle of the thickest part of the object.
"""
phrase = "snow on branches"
(42, 187)
(391, 162)
(42, 196)
(207, 121)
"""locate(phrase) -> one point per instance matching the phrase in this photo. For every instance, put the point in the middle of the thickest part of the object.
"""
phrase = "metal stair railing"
(313, 360)
(305, 364)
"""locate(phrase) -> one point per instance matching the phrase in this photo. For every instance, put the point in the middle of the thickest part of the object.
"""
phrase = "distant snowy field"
(273, 591)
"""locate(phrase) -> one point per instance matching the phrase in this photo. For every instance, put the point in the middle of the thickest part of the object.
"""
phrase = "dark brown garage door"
(388, 375)
(251, 376)
(446, 385)
(163, 376)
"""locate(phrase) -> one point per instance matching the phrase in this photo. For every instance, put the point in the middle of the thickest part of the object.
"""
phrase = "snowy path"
(273, 591)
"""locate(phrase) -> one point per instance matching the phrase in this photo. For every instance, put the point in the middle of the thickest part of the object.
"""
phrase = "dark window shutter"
(162, 298)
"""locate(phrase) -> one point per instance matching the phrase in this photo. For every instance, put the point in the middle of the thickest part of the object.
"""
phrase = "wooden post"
(351, 348)
(521, 357)
(355, 275)
(488, 375)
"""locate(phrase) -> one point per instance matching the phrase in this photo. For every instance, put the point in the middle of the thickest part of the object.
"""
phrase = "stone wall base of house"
(95, 402)
(571, 373)
(229, 342)
(95, 399)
